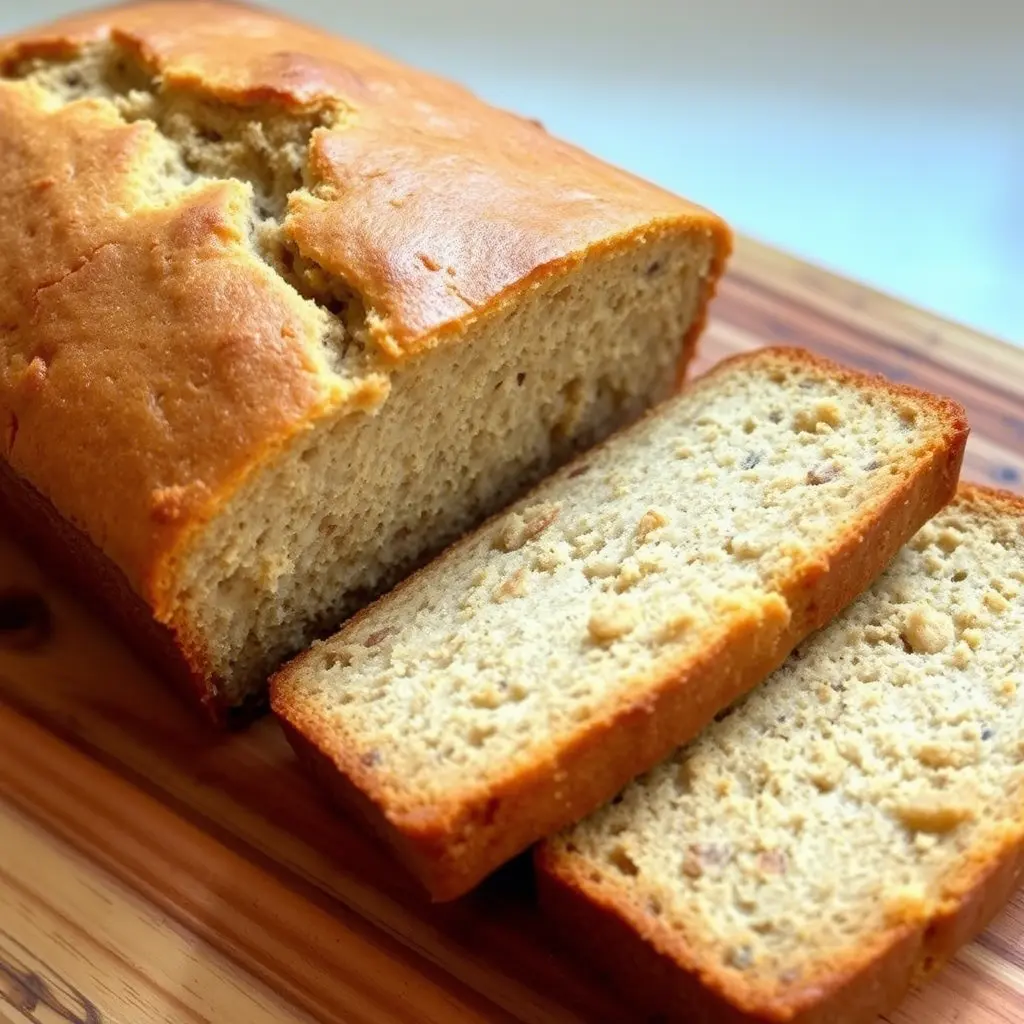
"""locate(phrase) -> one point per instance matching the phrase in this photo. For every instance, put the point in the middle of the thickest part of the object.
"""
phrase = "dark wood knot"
(25, 621)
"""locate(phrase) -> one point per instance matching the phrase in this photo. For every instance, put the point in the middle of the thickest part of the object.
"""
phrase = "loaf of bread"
(523, 678)
(279, 316)
(837, 835)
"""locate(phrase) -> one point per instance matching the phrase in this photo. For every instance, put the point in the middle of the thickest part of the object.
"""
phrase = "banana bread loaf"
(279, 316)
(521, 679)
(840, 833)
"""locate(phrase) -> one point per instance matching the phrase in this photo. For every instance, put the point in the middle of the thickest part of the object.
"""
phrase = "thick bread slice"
(845, 828)
(280, 317)
(526, 675)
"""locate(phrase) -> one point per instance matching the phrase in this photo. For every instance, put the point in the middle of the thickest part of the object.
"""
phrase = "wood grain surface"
(152, 870)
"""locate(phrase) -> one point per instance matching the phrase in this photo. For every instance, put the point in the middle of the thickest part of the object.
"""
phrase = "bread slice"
(281, 316)
(522, 678)
(839, 833)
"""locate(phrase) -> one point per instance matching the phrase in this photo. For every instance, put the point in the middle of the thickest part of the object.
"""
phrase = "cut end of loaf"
(356, 503)
(838, 833)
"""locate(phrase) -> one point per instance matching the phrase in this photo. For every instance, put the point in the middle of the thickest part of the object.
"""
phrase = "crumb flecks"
(611, 620)
(519, 529)
(825, 412)
(928, 631)
(650, 521)
(513, 585)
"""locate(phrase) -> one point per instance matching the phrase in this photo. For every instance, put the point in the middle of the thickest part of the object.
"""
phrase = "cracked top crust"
(154, 351)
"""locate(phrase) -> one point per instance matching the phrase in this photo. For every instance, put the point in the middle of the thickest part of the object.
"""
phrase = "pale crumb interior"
(348, 508)
(842, 795)
(645, 554)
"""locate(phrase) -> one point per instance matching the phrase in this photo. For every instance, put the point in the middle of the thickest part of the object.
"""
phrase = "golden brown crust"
(453, 846)
(654, 964)
(152, 361)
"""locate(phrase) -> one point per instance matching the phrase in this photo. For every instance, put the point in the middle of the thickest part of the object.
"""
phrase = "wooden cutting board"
(151, 870)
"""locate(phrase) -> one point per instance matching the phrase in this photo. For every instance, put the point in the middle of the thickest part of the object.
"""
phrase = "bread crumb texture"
(643, 554)
(843, 796)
